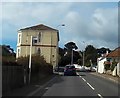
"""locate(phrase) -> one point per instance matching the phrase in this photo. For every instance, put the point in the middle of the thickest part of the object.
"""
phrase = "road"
(85, 84)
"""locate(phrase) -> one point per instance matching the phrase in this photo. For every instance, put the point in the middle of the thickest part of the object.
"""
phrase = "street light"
(57, 28)
(84, 54)
(72, 58)
(60, 25)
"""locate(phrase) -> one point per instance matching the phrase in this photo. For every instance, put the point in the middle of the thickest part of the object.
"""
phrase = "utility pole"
(83, 58)
(30, 59)
(57, 28)
(84, 54)
(72, 57)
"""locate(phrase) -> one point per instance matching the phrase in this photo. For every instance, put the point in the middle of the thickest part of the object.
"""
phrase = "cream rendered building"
(45, 42)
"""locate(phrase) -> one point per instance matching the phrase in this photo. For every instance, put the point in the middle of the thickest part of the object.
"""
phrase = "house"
(115, 55)
(100, 64)
(44, 42)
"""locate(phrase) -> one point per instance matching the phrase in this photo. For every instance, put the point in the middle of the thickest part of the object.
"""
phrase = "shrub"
(24, 61)
(38, 64)
(7, 59)
(107, 67)
(114, 63)
(87, 64)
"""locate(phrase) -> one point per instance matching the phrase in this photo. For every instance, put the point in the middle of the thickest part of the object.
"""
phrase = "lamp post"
(57, 28)
(84, 54)
(60, 25)
(72, 57)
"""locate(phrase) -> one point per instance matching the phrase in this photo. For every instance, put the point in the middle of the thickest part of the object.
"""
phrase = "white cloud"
(104, 24)
(101, 29)
(97, 27)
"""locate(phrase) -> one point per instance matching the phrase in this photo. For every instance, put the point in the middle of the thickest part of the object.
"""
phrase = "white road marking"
(100, 96)
(80, 76)
(84, 79)
(87, 83)
(91, 86)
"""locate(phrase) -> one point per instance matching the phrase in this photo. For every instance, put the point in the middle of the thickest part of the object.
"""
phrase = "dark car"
(69, 70)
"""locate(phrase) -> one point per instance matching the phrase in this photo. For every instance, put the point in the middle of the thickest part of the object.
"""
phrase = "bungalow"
(101, 62)
(115, 56)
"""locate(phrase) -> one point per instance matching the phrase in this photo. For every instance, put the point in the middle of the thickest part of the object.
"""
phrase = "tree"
(103, 51)
(70, 46)
(65, 54)
(90, 54)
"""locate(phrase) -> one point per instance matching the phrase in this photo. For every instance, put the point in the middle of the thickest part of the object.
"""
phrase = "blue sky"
(95, 23)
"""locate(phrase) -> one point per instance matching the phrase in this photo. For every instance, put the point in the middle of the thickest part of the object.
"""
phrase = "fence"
(12, 77)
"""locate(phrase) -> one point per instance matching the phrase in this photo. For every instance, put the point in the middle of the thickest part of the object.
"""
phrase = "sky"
(95, 23)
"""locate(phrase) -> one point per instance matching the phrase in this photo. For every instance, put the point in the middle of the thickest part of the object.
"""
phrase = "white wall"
(118, 69)
(101, 65)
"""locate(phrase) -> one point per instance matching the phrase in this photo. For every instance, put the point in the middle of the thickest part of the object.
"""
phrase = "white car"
(79, 68)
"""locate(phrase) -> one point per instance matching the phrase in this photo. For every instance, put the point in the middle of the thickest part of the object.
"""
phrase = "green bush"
(38, 64)
(114, 63)
(8, 60)
(87, 64)
(107, 67)
(24, 61)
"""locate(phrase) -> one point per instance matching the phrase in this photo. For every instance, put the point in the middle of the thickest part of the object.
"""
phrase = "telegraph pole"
(84, 54)
(30, 59)
(72, 57)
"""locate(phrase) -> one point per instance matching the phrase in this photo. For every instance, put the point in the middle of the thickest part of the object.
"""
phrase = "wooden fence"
(12, 77)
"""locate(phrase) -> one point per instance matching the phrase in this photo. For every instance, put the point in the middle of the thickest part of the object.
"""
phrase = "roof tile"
(115, 53)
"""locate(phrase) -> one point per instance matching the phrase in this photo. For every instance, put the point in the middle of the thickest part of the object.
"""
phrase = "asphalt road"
(85, 84)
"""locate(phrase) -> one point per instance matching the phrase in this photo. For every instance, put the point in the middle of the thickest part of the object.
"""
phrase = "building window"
(39, 36)
(53, 56)
(19, 38)
(35, 39)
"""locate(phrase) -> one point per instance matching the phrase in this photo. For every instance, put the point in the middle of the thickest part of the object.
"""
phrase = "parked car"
(94, 69)
(82, 69)
(59, 69)
(79, 68)
(69, 70)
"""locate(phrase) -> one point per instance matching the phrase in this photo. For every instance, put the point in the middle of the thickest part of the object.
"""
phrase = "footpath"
(115, 79)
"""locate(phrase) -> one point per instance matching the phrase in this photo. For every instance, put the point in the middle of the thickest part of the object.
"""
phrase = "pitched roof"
(39, 27)
(115, 53)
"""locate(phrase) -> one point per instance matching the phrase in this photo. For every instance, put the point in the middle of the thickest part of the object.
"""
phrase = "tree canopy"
(70, 45)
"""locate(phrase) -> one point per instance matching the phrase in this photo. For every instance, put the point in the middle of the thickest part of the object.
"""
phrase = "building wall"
(118, 69)
(48, 44)
(100, 65)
